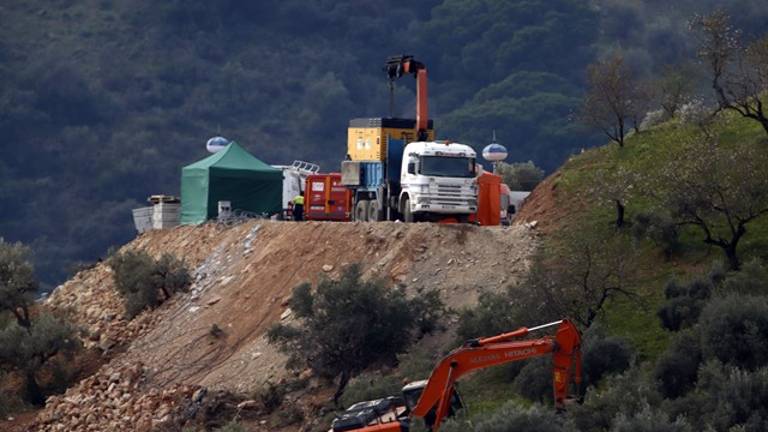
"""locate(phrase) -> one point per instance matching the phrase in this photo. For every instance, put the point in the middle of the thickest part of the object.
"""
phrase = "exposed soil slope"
(213, 336)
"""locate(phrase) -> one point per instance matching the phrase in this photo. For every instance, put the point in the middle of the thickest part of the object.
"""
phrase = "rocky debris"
(213, 301)
(213, 336)
(90, 298)
(120, 400)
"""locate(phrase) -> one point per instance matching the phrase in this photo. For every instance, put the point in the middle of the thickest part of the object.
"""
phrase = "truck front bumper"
(444, 208)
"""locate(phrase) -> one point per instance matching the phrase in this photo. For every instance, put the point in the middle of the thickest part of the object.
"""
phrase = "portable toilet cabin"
(233, 175)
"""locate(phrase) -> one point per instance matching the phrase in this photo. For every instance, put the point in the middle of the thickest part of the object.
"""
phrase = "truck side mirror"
(411, 168)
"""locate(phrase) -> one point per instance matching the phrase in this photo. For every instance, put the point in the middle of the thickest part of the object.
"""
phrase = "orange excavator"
(436, 398)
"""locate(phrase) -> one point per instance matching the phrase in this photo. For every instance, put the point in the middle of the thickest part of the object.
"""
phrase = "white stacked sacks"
(142, 219)
(166, 215)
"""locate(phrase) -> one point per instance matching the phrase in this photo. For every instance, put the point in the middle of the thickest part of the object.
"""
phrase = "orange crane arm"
(397, 66)
(496, 350)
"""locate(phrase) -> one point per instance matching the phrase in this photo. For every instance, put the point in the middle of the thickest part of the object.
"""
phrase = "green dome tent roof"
(233, 156)
(231, 174)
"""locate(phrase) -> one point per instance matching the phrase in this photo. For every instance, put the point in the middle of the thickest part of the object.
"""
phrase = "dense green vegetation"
(674, 338)
(693, 323)
(102, 102)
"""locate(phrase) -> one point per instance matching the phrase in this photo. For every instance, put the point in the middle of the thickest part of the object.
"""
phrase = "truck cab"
(437, 178)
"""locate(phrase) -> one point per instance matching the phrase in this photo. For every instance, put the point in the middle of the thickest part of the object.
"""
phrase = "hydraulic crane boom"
(395, 68)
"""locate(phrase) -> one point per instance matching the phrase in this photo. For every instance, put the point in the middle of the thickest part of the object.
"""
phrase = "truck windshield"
(446, 166)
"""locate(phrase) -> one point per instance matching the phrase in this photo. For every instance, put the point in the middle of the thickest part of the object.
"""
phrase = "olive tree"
(28, 342)
(579, 278)
(145, 282)
(718, 190)
(27, 349)
(17, 281)
(614, 187)
(615, 100)
(739, 74)
(349, 324)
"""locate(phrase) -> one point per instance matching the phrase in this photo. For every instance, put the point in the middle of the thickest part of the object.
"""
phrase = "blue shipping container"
(371, 175)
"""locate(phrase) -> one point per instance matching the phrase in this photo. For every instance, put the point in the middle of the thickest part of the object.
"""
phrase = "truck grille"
(451, 194)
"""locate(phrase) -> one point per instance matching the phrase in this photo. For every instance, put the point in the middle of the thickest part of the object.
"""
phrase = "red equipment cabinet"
(325, 199)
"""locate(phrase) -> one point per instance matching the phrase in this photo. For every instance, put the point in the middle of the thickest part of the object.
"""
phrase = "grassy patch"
(646, 153)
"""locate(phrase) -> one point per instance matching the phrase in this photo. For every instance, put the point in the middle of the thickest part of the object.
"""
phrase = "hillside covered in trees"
(101, 102)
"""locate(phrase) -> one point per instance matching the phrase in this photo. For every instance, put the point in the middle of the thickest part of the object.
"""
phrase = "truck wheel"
(407, 215)
(374, 213)
(361, 211)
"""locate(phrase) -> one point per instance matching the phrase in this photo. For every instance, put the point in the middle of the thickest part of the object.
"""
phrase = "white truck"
(397, 170)
(421, 181)
(437, 179)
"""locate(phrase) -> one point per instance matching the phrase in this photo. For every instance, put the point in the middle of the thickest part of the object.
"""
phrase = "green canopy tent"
(231, 174)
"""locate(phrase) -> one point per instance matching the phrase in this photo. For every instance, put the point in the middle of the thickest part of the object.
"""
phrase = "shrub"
(684, 303)
(654, 118)
(734, 330)
(9, 402)
(512, 417)
(369, 386)
(417, 363)
(232, 426)
(603, 355)
(144, 282)
(728, 397)
(649, 420)
(429, 311)
(625, 393)
(347, 326)
(662, 231)
(676, 369)
(694, 112)
(520, 176)
(493, 314)
(534, 381)
(270, 396)
(751, 279)
(289, 415)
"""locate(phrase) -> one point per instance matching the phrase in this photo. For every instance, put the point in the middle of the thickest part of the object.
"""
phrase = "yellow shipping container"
(367, 137)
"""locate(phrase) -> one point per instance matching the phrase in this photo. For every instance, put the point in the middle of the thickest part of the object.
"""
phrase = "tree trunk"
(619, 214)
(340, 389)
(733, 259)
(22, 318)
(764, 122)
(621, 133)
(33, 394)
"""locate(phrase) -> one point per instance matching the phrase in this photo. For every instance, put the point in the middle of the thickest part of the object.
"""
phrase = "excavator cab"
(412, 392)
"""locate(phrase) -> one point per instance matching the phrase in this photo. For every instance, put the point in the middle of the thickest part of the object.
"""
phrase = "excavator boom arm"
(497, 350)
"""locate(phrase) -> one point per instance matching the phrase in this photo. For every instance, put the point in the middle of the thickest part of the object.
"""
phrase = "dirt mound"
(214, 335)
(540, 204)
(547, 207)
